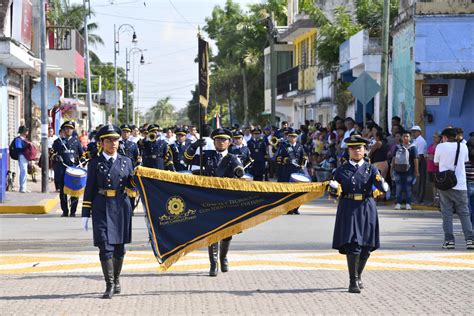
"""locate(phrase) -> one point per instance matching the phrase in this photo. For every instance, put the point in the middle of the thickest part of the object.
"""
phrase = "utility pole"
(127, 61)
(272, 32)
(88, 66)
(115, 77)
(44, 101)
(384, 67)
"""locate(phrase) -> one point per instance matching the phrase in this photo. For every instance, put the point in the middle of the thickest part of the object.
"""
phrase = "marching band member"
(108, 175)
(258, 152)
(129, 149)
(239, 149)
(217, 163)
(178, 149)
(356, 232)
(156, 152)
(67, 151)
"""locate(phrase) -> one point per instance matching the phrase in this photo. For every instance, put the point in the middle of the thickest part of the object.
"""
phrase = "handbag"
(446, 180)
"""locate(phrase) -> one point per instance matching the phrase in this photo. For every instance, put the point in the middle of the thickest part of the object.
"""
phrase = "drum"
(185, 172)
(75, 181)
(247, 177)
(299, 177)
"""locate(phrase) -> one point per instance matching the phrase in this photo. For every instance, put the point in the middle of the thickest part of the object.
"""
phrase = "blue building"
(433, 66)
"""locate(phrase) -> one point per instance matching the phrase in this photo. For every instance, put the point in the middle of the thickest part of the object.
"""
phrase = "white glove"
(334, 184)
(85, 223)
(385, 186)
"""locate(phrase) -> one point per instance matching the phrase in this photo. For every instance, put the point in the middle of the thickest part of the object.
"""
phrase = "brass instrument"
(151, 137)
(274, 141)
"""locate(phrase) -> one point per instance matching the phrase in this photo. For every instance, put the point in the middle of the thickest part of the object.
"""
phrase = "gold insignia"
(378, 178)
(175, 205)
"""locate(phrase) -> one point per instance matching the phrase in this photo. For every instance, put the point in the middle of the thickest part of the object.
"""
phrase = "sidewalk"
(33, 202)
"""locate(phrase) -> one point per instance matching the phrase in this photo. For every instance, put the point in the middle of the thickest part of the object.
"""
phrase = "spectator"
(51, 138)
(421, 146)
(349, 123)
(431, 167)
(391, 138)
(378, 154)
(460, 135)
(405, 169)
(470, 176)
(397, 137)
(20, 145)
(455, 198)
(83, 139)
(397, 121)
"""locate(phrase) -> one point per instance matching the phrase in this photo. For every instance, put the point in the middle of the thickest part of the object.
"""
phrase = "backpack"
(30, 151)
(12, 150)
(402, 159)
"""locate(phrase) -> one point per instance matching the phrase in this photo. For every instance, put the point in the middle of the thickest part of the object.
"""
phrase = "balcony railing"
(287, 81)
(65, 38)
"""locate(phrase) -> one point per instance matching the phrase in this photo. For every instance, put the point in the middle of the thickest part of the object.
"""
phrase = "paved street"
(285, 266)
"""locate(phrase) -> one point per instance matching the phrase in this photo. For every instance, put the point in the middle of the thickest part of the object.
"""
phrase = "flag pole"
(199, 104)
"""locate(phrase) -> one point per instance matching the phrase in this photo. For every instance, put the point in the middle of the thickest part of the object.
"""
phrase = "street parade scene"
(236, 157)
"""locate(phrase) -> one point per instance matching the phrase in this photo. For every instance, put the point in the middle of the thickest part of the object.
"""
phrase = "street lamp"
(116, 52)
(127, 69)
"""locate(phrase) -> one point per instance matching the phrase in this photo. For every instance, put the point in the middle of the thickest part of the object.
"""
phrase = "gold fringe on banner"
(313, 191)
(73, 193)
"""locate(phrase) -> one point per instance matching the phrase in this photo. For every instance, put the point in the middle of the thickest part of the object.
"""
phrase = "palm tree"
(162, 113)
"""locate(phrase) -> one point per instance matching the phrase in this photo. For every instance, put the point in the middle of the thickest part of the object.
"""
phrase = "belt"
(153, 156)
(356, 197)
(109, 193)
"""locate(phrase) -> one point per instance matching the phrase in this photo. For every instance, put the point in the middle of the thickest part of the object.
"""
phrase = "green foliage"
(162, 113)
(332, 35)
(343, 97)
(370, 15)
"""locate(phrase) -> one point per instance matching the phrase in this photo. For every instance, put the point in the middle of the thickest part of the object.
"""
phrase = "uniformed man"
(104, 198)
(356, 232)
(67, 151)
(258, 151)
(129, 149)
(238, 148)
(92, 149)
(291, 158)
(178, 149)
(156, 152)
(217, 163)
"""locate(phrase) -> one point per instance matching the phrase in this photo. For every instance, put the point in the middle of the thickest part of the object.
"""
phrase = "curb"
(417, 207)
(43, 207)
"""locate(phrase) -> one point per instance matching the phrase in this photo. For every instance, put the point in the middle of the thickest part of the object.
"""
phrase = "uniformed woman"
(356, 232)
(217, 163)
(104, 198)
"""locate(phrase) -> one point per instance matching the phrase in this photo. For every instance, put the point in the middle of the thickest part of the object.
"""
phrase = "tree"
(162, 113)
(369, 15)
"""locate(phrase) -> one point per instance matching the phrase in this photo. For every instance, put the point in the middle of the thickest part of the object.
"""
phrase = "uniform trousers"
(355, 249)
(107, 251)
(64, 203)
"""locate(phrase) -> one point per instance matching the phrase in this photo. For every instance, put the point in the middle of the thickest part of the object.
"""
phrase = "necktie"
(219, 157)
(111, 161)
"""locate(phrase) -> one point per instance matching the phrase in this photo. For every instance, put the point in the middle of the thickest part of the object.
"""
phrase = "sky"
(167, 31)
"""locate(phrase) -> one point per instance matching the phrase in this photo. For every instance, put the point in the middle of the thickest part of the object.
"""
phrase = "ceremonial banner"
(203, 60)
(187, 212)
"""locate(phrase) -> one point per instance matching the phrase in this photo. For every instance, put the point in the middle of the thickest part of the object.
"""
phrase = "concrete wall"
(3, 131)
(455, 109)
(403, 74)
(444, 44)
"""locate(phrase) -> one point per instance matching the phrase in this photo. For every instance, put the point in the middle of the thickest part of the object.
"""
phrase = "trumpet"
(274, 141)
(151, 137)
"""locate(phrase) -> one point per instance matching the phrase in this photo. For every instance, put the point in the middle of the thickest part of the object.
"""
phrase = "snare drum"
(299, 177)
(75, 181)
(247, 177)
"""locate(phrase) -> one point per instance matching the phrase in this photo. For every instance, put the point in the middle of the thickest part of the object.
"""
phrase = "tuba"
(151, 137)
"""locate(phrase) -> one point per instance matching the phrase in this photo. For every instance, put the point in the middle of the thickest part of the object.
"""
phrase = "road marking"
(136, 261)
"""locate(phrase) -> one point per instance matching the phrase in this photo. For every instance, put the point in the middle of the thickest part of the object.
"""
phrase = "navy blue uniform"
(213, 164)
(290, 159)
(65, 152)
(92, 150)
(357, 224)
(129, 149)
(243, 153)
(106, 201)
(177, 150)
(258, 152)
(156, 154)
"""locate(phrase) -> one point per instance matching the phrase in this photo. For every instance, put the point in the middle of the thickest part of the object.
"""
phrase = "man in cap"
(239, 149)
(108, 176)
(135, 137)
(421, 148)
(258, 151)
(67, 151)
(156, 152)
(178, 149)
(356, 231)
(217, 163)
(291, 158)
(129, 149)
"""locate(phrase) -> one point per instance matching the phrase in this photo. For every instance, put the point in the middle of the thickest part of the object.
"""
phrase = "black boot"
(224, 249)
(362, 262)
(353, 265)
(108, 270)
(213, 250)
(117, 269)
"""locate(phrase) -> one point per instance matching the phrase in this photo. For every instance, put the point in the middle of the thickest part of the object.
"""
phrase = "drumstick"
(250, 162)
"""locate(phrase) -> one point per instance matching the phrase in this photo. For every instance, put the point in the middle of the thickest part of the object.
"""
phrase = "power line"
(181, 15)
(141, 19)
